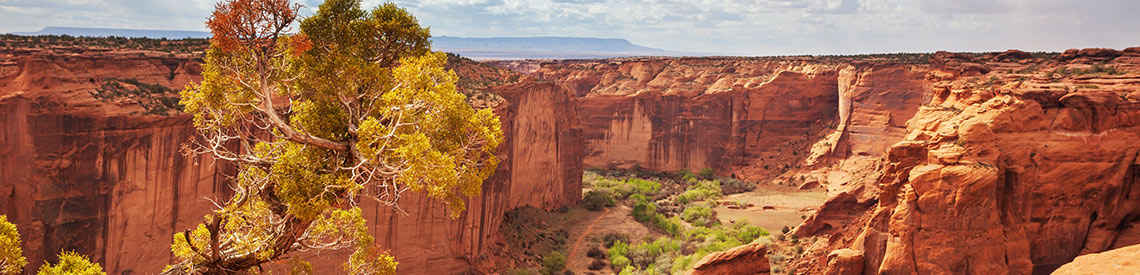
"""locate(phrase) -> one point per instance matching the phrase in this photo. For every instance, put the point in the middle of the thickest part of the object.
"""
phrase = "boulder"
(845, 262)
(745, 259)
(1117, 261)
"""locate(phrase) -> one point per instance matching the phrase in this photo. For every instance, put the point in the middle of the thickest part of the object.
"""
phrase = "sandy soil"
(773, 206)
(616, 220)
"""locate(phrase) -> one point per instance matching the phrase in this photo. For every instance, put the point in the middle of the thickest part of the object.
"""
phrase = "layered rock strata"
(751, 118)
(1016, 166)
(104, 176)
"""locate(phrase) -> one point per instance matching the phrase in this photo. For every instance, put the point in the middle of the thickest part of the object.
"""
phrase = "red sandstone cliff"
(100, 177)
(753, 118)
(1014, 167)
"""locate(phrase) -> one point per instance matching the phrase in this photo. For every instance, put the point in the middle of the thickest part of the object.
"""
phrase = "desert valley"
(1007, 162)
(939, 163)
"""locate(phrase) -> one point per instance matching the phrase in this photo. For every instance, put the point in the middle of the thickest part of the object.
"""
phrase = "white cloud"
(721, 26)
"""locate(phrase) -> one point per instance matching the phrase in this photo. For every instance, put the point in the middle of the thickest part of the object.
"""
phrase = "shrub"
(684, 173)
(707, 173)
(700, 191)
(72, 263)
(619, 249)
(643, 211)
(620, 263)
(596, 265)
(595, 253)
(554, 263)
(644, 187)
(595, 200)
(699, 215)
(735, 186)
(613, 238)
(747, 233)
(670, 225)
(785, 229)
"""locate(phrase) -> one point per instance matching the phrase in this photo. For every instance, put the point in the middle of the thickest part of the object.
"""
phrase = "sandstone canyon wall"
(104, 178)
(541, 167)
(94, 177)
(750, 118)
(1016, 166)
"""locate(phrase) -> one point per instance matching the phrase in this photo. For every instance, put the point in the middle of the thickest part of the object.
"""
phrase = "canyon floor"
(771, 207)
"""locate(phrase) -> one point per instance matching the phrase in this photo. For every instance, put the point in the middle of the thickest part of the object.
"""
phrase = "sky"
(729, 27)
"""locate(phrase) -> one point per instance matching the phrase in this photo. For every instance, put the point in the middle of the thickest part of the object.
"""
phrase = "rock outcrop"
(1124, 260)
(745, 259)
(81, 174)
(845, 262)
(1016, 171)
(104, 177)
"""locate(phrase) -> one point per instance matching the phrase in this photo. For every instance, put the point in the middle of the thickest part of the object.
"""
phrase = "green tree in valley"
(353, 106)
(12, 259)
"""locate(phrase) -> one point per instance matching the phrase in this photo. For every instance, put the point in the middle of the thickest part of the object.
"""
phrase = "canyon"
(1016, 165)
(106, 178)
(943, 163)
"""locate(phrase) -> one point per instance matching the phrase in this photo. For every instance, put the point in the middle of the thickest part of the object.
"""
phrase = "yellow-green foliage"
(664, 255)
(365, 81)
(700, 191)
(12, 259)
(698, 214)
(433, 149)
(71, 263)
(553, 263)
(622, 188)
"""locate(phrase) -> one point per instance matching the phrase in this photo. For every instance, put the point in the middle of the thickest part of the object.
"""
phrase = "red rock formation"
(542, 167)
(744, 117)
(845, 262)
(1124, 260)
(101, 178)
(80, 174)
(733, 115)
(745, 259)
(1006, 173)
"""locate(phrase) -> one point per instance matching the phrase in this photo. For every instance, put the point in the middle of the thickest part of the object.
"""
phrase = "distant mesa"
(490, 48)
(103, 32)
(506, 48)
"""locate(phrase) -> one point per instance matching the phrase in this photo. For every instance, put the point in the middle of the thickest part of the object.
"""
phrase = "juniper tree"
(352, 106)
(12, 259)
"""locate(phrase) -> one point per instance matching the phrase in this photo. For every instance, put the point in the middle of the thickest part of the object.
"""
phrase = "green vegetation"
(71, 263)
(180, 46)
(691, 234)
(906, 58)
(1096, 69)
(645, 211)
(622, 189)
(699, 215)
(700, 191)
(349, 119)
(707, 174)
(596, 200)
(12, 259)
(676, 255)
(155, 99)
(553, 263)
(617, 255)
